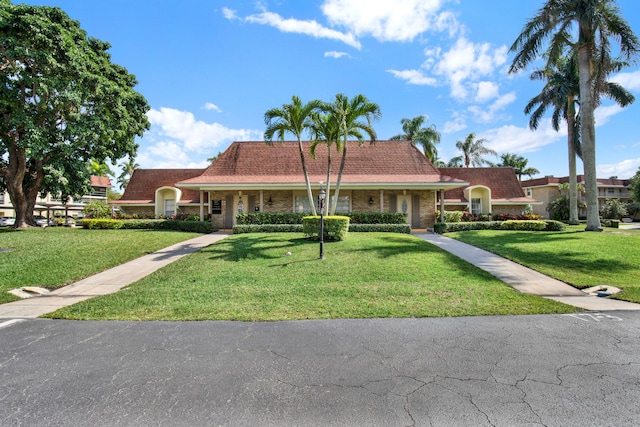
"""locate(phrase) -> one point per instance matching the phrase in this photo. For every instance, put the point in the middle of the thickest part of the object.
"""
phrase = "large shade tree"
(62, 103)
(295, 119)
(354, 116)
(474, 151)
(588, 27)
(414, 131)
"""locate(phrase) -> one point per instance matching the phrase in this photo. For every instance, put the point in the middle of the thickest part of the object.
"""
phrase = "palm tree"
(428, 137)
(214, 158)
(455, 162)
(127, 170)
(292, 118)
(596, 22)
(349, 114)
(473, 151)
(562, 91)
(99, 169)
(519, 165)
(324, 129)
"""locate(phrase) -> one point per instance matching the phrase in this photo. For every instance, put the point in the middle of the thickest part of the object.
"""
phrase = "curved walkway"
(109, 281)
(523, 278)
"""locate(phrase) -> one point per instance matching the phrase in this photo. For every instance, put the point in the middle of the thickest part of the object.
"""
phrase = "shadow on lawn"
(252, 247)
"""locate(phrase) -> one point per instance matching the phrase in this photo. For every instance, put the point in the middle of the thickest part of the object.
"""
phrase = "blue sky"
(211, 68)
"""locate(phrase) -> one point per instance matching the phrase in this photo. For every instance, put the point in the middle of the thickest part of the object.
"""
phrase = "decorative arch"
(167, 199)
(481, 194)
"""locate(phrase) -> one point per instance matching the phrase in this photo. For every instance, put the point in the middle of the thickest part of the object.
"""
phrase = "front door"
(404, 206)
(240, 205)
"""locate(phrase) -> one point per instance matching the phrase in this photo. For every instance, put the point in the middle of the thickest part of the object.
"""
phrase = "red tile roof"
(100, 181)
(503, 183)
(552, 180)
(144, 183)
(378, 163)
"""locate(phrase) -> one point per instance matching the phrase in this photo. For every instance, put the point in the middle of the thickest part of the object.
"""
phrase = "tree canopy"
(414, 131)
(63, 103)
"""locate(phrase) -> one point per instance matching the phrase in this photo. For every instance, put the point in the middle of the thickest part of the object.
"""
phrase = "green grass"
(56, 256)
(582, 259)
(249, 277)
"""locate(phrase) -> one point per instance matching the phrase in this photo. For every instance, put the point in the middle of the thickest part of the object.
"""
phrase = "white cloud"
(310, 28)
(486, 91)
(193, 135)
(229, 13)
(414, 77)
(623, 170)
(334, 54)
(457, 124)
(465, 62)
(630, 81)
(514, 139)
(211, 106)
(488, 114)
(603, 114)
(398, 20)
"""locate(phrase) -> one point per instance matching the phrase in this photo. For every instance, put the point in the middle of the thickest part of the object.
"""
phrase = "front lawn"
(582, 259)
(250, 277)
(56, 256)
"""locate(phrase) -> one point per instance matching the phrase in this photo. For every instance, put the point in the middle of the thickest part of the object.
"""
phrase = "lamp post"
(321, 197)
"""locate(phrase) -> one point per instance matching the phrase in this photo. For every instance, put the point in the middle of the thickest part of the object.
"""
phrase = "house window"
(476, 206)
(611, 191)
(343, 205)
(528, 192)
(169, 207)
(302, 204)
(1, 197)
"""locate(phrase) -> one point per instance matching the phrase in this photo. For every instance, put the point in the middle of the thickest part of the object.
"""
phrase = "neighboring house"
(51, 205)
(386, 176)
(490, 191)
(152, 193)
(548, 189)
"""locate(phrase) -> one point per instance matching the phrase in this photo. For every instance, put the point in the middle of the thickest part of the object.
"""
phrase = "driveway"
(580, 369)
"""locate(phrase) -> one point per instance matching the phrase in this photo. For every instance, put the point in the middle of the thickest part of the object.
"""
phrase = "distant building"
(548, 189)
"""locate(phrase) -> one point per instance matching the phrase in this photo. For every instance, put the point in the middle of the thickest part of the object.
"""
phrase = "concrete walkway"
(106, 282)
(109, 281)
(525, 279)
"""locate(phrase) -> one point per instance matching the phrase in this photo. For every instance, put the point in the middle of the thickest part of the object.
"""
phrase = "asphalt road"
(552, 370)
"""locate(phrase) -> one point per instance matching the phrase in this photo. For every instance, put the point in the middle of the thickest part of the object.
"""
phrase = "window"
(302, 203)
(476, 206)
(611, 191)
(169, 207)
(528, 192)
(344, 204)
(1, 197)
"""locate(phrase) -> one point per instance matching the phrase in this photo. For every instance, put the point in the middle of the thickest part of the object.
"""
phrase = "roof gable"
(503, 182)
(144, 183)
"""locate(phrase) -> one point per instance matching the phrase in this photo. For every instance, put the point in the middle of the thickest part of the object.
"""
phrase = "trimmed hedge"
(335, 227)
(267, 228)
(384, 228)
(296, 217)
(546, 225)
(148, 224)
(376, 217)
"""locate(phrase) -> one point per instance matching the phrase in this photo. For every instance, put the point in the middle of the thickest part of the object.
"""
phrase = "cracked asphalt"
(544, 370)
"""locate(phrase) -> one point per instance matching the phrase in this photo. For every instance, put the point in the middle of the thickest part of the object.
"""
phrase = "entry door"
(240, 205)
(404, 206)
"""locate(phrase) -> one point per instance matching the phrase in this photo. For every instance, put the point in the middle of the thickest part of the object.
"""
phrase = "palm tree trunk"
(573, 184)
(342, 162)
(588, 137)
(306, 178)
(327, 205)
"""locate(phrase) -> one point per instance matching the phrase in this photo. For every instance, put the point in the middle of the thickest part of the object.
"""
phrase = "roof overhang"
(244, 186)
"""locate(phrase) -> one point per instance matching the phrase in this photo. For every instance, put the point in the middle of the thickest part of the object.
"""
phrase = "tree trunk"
(306, 179)
(588, 137)
(327, 205)
(571, 148)
(337, 191)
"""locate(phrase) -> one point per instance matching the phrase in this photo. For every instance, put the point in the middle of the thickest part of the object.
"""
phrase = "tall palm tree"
(562, 91)
(294, 118)
(354, 117)
(413, 131)
(596, 23)
(455, 162)
(519, 165)
(473, 151)
(99, 169)
(127, 170)
(324, 129)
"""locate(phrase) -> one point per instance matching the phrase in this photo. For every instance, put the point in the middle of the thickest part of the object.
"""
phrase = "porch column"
(201, 205)
(381, 200)
(442, 205)
(261, 200)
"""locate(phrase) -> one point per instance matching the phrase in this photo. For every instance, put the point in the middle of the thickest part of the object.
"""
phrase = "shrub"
(523, 225)
(451, 216)
(469, 217)
(335, 227)
(270, 218)
(440, 227)
(559, 209)
(267, 228)
(102, 224)
(387, 228)
(614, 209)
(466, 226)
(188, 226)
(554, 225)
(376, 217)
(97, 209)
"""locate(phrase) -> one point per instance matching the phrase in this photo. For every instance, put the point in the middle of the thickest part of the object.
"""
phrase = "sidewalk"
(106, 282)
(525, 279)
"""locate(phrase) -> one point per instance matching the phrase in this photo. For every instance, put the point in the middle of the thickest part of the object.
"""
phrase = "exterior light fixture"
(321, 197)
(270, 202)
(371, 201)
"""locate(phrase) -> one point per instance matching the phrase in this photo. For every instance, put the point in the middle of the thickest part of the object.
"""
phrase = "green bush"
(335, 227)
(554, 225)
(97, 209)
(102, 224)
(296, 217)
(188, 226)
(376, 217)
(523, 225)
(474, 225)
(267, 228)
(451, 216)
(614, 209)
(440, 227)
(386, 228)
